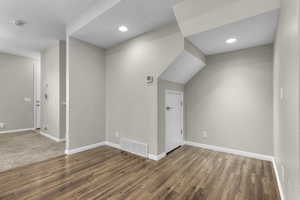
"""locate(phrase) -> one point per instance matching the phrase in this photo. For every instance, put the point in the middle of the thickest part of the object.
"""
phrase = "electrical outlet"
(204, 134)
(27, 99)
(282, 172)
(117, 134)
(2, 125)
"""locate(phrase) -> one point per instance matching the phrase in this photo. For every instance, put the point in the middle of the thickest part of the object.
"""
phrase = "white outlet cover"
(117, 134)
(282, 172)
(281, 93)
(204, 134)
(2, 125)
(27, 99)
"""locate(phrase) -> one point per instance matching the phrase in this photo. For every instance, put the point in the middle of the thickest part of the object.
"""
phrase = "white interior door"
(173, 119)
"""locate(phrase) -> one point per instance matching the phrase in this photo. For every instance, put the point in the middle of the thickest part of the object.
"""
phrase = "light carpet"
(19, 149)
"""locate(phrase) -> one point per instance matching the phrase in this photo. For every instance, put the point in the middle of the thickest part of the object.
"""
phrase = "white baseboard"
(114, 145)
(84, 148)
(160, 156)
(52, 137)
(276, 169)
(157, 157)
(232, 151)
(117, 146)
(17, 130)
(150, 156)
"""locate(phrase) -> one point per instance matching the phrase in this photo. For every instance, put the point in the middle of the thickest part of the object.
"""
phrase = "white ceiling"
(46, 19)
(254, 31)
(139, 16)
(184, 67)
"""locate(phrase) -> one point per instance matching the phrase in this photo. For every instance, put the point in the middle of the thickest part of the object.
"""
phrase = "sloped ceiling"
(184, 67)
(139, 16)
(251, 32)
(195, 16)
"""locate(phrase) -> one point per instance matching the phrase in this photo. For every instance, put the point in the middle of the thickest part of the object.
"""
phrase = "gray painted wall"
(232, 99)
(16, 83)
(132, 104)
(86, 94)
(286, 109)
(52, 64)
(164, 85)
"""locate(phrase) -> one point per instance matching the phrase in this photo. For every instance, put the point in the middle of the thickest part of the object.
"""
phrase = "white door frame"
(182, 115)
(37, 93)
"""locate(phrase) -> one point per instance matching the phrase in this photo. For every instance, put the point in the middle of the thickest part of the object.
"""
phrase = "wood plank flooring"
(107, 173)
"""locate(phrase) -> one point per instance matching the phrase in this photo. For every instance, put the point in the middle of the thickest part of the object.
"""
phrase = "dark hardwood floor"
(107, 173)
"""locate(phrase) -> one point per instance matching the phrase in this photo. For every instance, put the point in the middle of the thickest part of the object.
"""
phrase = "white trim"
(150, 156)
(118, 146)
(84, 148)
(157, 157)
(17, 130)
(278, 179)
(37, 94)
(181, 93)
(52, 137)
(232, 151)
(67, 135)
(114, 145)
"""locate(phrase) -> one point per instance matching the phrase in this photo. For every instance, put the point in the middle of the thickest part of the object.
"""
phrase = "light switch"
(204, 134)
(27, 99)
(2, 125)
(281, 93)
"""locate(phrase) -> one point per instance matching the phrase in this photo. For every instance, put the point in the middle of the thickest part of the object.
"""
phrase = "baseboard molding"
(157, 157)
(52, 137)
(232, 151)
(17, 130)
(114, 145)
(117, 146)
(84, 148)
(160, 156)
(276, 169)
(150, 156)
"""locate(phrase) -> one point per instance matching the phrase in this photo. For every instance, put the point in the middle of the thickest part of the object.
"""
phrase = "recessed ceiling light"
(231, 40)
(19, 22)
(123, 28)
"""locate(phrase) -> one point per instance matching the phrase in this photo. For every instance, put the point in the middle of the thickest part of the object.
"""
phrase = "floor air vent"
(134, 147)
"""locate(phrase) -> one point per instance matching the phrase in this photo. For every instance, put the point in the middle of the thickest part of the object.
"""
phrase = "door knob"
(169, 108)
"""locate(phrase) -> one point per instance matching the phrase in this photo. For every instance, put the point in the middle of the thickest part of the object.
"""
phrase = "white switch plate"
(27, 99)
(117, 134)
(282, 172)
(204, 134)
(2, 125)
(281, 93)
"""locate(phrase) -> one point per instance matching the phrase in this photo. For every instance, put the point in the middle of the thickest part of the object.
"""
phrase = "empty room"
(139, 99)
